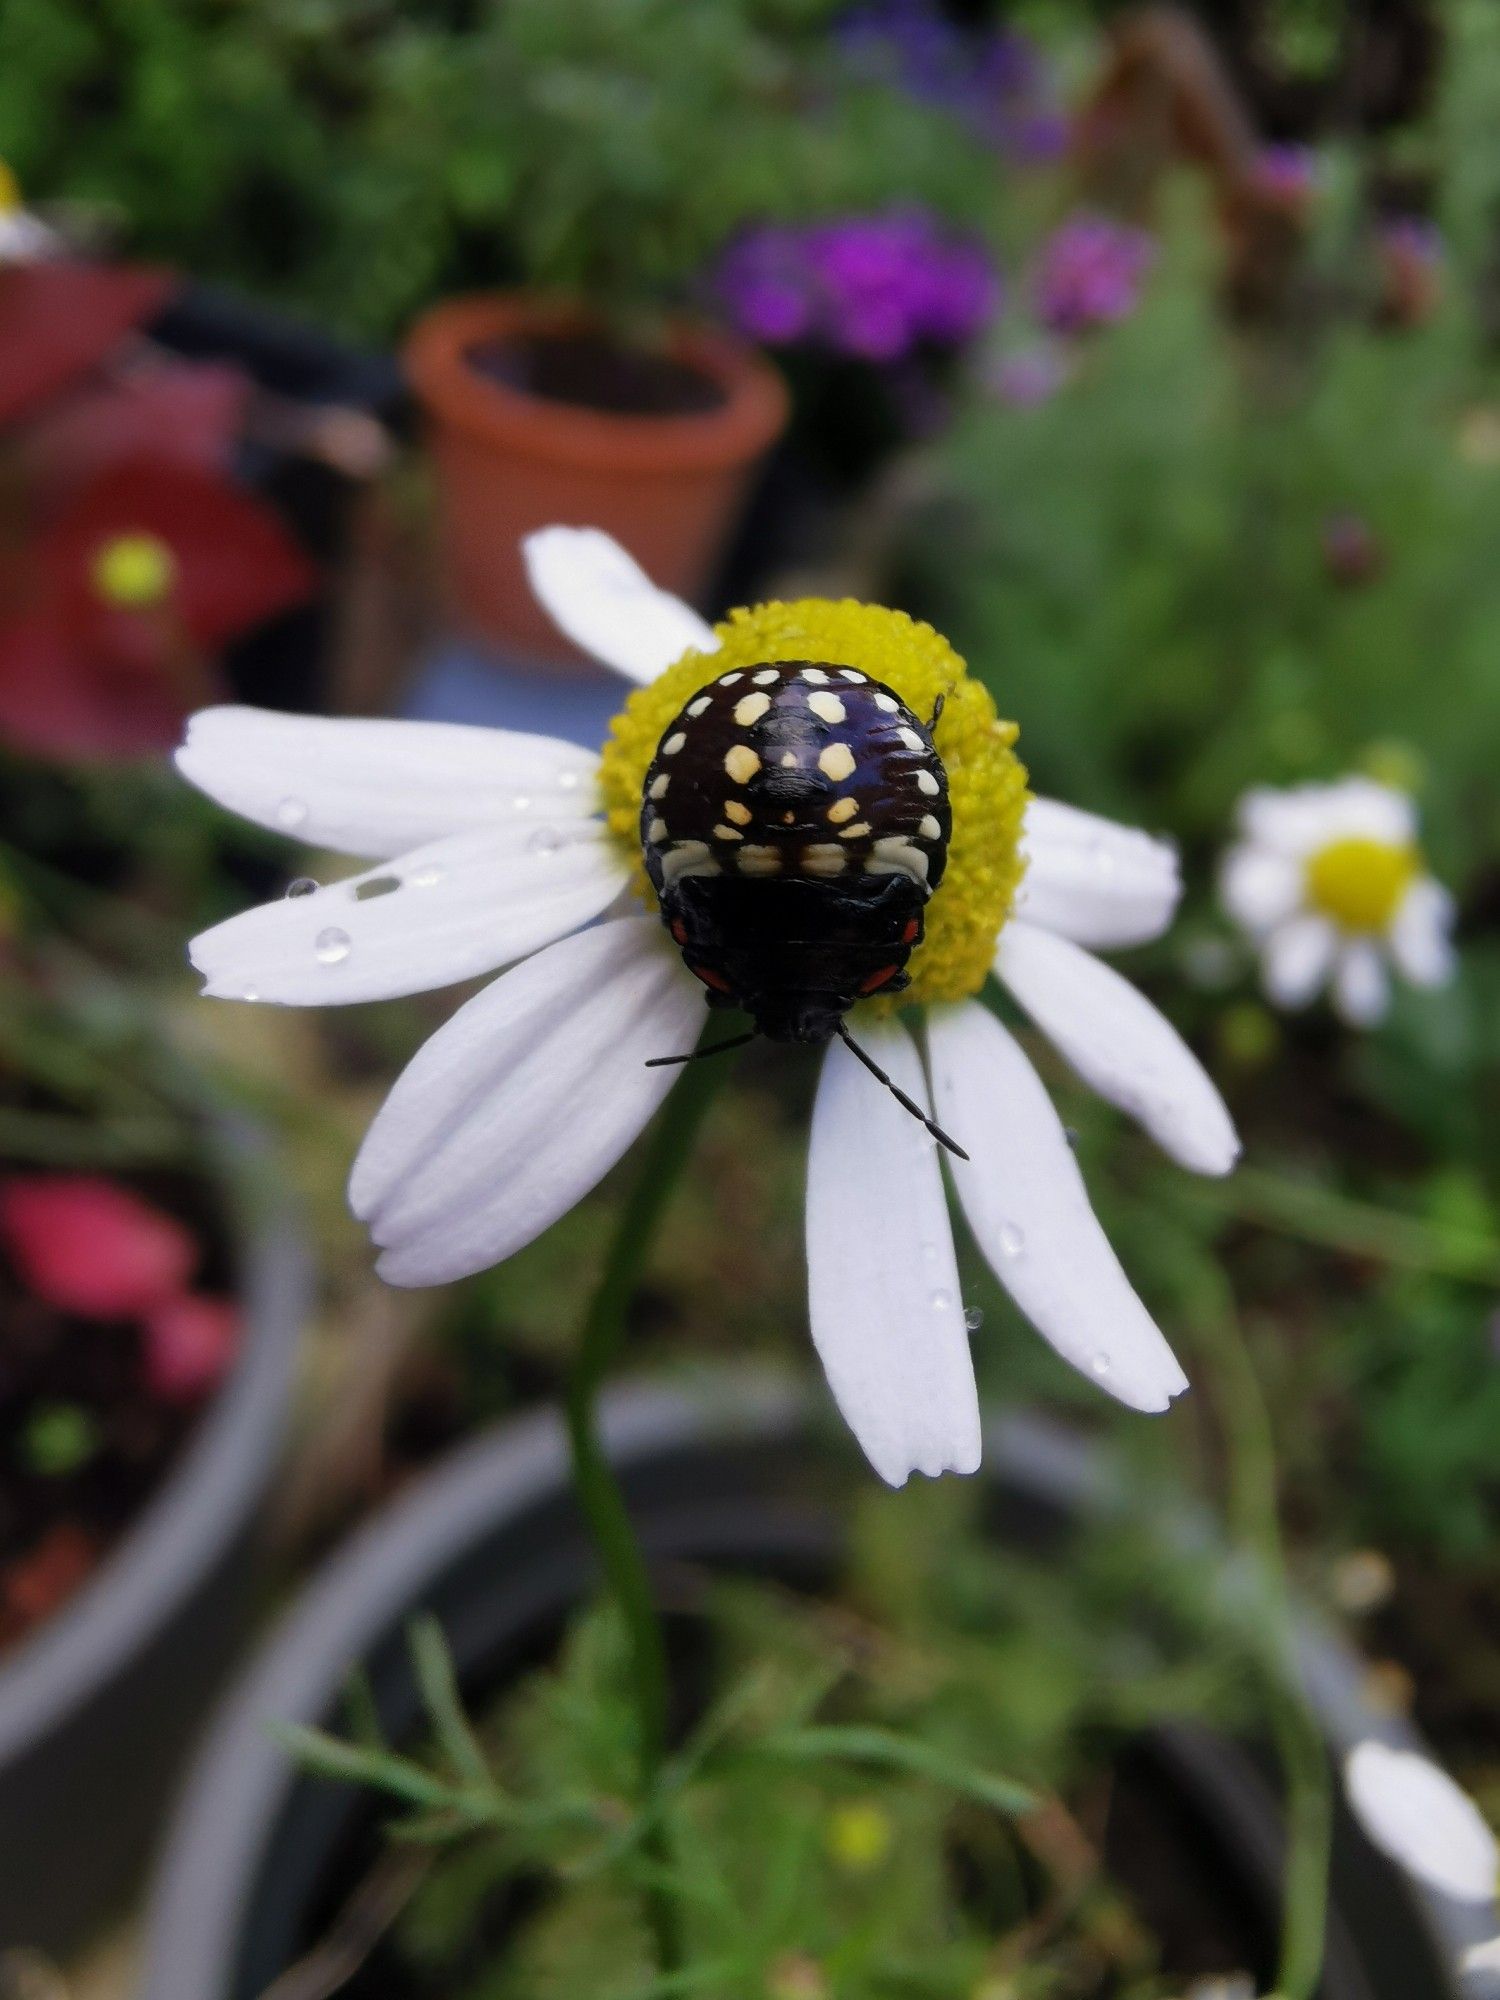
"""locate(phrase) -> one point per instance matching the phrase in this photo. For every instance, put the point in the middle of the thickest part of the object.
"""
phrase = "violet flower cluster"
(876, 287)
(1090, 273)
(992, 80)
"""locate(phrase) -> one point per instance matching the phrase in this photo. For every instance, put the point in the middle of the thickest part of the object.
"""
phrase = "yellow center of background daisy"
(1360, 883)
(986, 780)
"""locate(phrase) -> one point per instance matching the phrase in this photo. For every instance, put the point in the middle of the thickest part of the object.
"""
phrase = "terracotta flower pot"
(534, 416)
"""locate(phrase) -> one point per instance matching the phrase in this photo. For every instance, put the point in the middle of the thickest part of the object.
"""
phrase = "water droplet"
(1012, 1240)
(974, 1318)
(567, 781)
(1099, 1363)
(301, 885)
(521, 802)
(251, 993)
(291, 813)
(940, 1301)
(546, 840)
(425, 878)
(929, 1253)
(331, 947)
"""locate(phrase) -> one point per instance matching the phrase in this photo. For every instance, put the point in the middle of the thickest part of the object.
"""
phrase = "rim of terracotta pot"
(436, 355)
(204, 1499)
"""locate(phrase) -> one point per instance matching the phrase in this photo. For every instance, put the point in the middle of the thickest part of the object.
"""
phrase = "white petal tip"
(963, 1461)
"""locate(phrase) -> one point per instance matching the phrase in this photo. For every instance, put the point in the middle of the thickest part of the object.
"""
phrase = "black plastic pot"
(97, 1706)
(731, 1475)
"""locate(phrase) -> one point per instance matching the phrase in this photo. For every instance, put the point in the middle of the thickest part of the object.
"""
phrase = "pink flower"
(190, 1343)
(86, 1245)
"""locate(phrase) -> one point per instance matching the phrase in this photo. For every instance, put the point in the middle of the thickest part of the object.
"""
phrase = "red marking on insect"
(710, 978)
(879, 978)
(909, 935)
(679, 931)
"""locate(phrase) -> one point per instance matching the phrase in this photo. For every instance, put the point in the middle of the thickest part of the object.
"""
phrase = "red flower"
(59, 319)
(86, 1245)
(187, 411)
(122, 602)
(190, 1343)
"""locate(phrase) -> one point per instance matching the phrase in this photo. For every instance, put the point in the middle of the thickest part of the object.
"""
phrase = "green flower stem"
(1256, 1525)
(1357, 1228)
(625, 1573)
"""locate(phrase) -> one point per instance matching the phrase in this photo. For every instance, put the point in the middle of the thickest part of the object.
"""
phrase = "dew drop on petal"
(1012, 1240)
(974, 1318)
(929, 1253)
(331, 947)
(250, 993)
(567, 781)
(291, 813)
(940, 1301)
(521, 802)
(1099, 1363)
(301, 885)
(546, 840)
(425, 878)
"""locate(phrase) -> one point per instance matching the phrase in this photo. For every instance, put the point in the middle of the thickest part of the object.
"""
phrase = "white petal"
(372, 788)
(523, 1101)
(1095, 881)
(1260, 887)
(1481, 1959)
(887, 1315)
(1119, 1044)
(604, 601)
(1415, 1813)
(1421, 934)
(1361, 989)
(1306, 817)
(445, 912)
(1026, 1203)
(1298, 959)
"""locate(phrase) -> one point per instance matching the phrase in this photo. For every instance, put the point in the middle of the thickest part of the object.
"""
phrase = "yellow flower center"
(135, 572)
(986, 780)
(1360, 882)
(10, 191)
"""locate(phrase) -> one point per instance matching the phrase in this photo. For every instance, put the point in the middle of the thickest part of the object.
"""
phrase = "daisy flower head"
(1330, 882)
(807, 810)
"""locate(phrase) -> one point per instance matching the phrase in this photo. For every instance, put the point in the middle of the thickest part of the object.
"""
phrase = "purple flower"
(1090, 273)
(992, 81)
(1288, 174)
(873, 286)
(766, 287)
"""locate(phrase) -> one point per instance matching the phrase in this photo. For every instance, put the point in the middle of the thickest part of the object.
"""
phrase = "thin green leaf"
(361, 1716)
(331, 1757)
(444, 1704)
(856, 1744)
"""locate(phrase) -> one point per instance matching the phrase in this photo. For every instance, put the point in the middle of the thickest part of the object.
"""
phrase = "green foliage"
(834, 1810)
(357, 157)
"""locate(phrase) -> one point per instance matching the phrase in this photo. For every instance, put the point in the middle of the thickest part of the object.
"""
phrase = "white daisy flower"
(1329, 881)
(1414, 1812)
(786, 750)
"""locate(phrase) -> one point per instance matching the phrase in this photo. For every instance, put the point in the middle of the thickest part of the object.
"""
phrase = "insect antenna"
(696, 1055)
(899, 1094)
